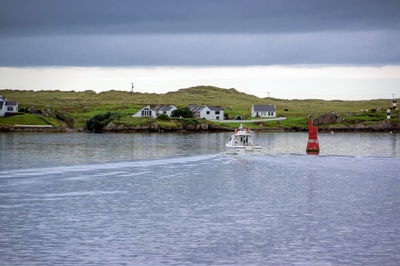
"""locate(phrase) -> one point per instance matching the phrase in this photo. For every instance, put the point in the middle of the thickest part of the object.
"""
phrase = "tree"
(163, 117)
(182, 112)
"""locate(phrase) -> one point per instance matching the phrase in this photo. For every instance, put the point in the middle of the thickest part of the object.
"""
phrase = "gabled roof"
(195, 108)
(216, 108)
(146, 107)
(165, 108)
(264, 108)
(8, 103)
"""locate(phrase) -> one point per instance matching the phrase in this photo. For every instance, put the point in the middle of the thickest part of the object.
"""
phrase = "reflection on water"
(41, 149)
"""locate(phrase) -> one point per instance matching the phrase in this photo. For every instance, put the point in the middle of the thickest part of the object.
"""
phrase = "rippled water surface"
(151, 199)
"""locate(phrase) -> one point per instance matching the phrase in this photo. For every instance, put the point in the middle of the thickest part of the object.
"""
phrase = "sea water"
(156, 199)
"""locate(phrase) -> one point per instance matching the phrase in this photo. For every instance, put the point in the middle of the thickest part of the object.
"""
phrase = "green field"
(29, 119)
(80, 106)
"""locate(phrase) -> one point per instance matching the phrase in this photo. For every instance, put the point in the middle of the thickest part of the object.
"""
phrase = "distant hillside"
(229, 98)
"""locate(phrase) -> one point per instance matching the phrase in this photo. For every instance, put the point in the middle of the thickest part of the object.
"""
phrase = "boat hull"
(243, 149)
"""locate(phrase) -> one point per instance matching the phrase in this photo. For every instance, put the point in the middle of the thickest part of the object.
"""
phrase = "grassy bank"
(29, 119)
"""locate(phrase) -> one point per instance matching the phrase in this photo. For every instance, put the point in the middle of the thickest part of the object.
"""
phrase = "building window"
(217, 117)
(10, 108)
(208, 112)
(217, 113)
(146, 112)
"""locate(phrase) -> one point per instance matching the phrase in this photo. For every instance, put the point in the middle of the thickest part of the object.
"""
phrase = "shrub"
(182, 112)
(63, 116)
(163, 117)
(23, 109)
(97, 122)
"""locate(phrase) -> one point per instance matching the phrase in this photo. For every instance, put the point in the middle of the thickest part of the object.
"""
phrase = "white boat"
(242, 142)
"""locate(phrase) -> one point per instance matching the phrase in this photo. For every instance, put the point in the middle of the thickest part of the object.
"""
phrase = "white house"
(165, 109)
(209, 113)
(7, 106)
(268, 110)
(216, 113)
(146, 112)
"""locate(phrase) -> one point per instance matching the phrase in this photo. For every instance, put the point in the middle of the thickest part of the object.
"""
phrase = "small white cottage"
(146, 112)
(209, 113)
(7, 106)
(165, 109)
(268, 110)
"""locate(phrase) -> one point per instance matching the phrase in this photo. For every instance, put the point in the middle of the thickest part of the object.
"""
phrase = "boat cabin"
(241, 138)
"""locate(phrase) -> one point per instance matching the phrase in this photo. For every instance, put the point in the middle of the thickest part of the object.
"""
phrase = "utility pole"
(220, 101)
(268, 93)
(132, 92)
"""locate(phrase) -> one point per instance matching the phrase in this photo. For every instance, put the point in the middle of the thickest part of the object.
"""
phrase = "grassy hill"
(230, 98)
(83, 105)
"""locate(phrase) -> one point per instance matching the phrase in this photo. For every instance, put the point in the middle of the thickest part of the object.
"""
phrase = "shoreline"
(375, 128)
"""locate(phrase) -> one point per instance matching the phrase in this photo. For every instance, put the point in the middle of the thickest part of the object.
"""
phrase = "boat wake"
(105, 166)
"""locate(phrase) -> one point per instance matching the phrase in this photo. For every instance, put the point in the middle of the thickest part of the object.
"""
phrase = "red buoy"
(312, 144)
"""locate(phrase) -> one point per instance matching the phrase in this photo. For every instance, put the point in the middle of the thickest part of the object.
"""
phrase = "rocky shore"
(379, 127)
(155, 127)
(334, 122)
(10, 128)
(111, 127)
(383, 126)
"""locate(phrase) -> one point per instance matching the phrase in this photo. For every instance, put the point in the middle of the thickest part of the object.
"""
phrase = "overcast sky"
(190, 35)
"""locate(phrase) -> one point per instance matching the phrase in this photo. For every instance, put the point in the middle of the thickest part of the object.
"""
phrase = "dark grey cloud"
(377, 48)
(193, 32)
(194, 16)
